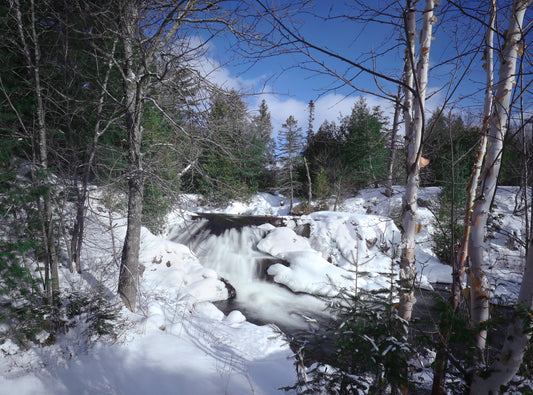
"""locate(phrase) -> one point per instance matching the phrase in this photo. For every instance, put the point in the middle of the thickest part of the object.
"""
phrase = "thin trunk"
(79, 224)
(73, 158)
(413, 152)
(392, 149)
(462, 255)
(479, 290)
(34, 65)
(291, 181)
(309, 185)
(459, 263)
(441, 358)
(525, 158)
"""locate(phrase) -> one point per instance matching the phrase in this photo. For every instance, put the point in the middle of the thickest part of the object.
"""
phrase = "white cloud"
(327, 108)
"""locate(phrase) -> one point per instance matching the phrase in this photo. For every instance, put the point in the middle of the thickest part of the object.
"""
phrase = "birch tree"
(414, 124)
(462, 255)
(479, 287)
(506, 365)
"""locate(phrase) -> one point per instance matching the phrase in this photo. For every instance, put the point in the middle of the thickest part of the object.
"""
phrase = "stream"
(228, 244)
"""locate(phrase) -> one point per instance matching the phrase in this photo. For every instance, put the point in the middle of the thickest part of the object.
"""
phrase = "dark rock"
(231, 290)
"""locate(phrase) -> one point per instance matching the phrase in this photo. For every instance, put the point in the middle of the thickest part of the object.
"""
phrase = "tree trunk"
(479, 290)
(291, 182)
(392, 149)
(413, 154)
(504, 368)
(140, 59)
(309, 185)
(462, 255)
(441, 359)
(407, 299)
(48, 228)
(82, 190)
(133, 90)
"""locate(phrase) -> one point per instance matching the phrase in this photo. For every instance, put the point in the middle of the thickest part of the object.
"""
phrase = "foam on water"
(233, 254)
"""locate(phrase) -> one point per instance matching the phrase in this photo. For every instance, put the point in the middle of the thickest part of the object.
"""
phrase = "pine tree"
(364, 150)
(310, 119)
(263, 128)
(290, 147)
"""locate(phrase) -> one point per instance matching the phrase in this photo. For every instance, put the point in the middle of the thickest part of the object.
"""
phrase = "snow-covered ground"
(178, 342)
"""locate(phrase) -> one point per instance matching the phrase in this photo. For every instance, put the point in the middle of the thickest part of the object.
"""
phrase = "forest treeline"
(111, 94)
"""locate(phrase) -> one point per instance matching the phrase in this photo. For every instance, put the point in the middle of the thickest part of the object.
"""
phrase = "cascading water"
(232, 252)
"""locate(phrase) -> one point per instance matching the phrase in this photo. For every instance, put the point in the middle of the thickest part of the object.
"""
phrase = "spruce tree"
(290, 148)
(262, 126)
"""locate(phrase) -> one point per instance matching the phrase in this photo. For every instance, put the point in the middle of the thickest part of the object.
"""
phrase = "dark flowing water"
(228, 244)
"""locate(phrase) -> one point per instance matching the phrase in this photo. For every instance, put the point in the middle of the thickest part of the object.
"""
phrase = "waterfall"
(234, 255)
(232, 252)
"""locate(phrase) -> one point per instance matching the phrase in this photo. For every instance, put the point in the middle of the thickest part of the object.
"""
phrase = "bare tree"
(479, 287)
(462, 254)
(414, 125)
(30, 47)
(503, 369)
(138, 65)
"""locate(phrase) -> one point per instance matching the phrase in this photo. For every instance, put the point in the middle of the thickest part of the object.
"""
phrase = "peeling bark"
(462, 255)
(414, 132)
(504, 368)
(479, 292)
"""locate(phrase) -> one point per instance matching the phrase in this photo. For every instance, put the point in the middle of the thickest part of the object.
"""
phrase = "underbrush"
(32, 321)
(369, 354)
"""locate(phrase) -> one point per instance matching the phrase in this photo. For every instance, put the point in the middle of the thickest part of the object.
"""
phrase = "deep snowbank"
(179, 342)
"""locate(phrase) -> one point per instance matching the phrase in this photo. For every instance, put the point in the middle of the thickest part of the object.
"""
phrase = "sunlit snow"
(179, 342)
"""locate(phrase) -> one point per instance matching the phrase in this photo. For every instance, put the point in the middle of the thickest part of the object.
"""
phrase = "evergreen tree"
(323, 154)
(290, 147)
(263, 128)
(364, 150)
(450, 147)
(310, 119)
(352, 154)
(233, 152)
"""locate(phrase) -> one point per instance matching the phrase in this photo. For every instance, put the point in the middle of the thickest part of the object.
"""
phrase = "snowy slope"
(177, 343)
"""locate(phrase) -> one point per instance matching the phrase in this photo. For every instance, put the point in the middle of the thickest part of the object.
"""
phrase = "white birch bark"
(479, 288)
(503, 369)
(474, 179)
(413, 154)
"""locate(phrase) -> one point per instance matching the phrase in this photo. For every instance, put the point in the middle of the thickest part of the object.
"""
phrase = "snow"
(179, 342)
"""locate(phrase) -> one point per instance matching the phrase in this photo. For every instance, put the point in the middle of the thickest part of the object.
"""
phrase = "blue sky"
(287, 86)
